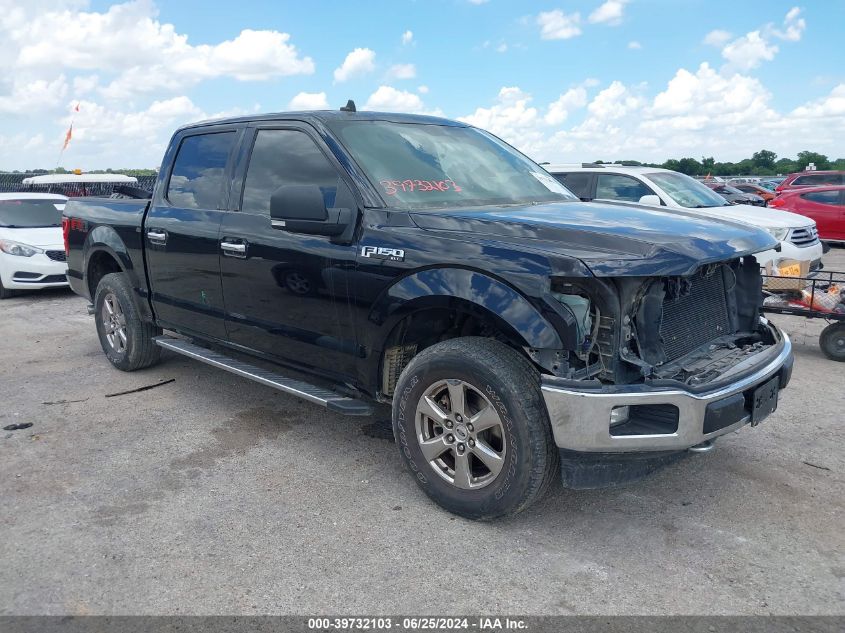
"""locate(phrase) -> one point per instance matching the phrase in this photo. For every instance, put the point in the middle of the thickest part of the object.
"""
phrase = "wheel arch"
(447, 303)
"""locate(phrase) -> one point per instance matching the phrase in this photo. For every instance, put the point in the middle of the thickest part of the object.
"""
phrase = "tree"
(805, 158)
(764, 159)
(689, 166)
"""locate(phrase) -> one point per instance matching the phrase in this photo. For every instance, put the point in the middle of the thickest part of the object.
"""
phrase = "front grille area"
(807, 236)
(57, 256)
(697, 316)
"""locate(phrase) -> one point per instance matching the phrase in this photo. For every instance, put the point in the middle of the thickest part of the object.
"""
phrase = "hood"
(41, 237)
(763, 217)
(611, 239)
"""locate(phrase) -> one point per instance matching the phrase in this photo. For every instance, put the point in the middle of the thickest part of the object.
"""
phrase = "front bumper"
(679, 418)
(33, 273)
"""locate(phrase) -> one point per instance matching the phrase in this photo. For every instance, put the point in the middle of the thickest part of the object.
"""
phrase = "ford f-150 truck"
(517, 332)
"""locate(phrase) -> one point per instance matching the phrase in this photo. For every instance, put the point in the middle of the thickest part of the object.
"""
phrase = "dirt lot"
(212, 494)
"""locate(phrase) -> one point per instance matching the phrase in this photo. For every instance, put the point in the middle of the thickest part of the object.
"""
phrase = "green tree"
(764, 159)
(689, 166)
(806, 157)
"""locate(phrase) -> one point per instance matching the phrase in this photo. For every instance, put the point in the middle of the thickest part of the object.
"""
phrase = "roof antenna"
(349, 107)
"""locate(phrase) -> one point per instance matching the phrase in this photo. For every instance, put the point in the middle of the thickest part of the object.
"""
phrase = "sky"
(562, 80)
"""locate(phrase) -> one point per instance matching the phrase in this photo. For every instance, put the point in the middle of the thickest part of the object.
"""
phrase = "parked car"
(811, 179)
(73, 185)
(516, 331)
(736, 196)
(32, 255)
(757, 190)
(676, 192)
(825, 205)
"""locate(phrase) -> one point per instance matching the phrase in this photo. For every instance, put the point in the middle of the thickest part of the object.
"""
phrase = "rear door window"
(823, 197)
(199, 171)
(577, 182)
(618, 187)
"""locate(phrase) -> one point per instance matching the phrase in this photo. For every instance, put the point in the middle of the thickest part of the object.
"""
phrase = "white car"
(32, 251)
(652, 186)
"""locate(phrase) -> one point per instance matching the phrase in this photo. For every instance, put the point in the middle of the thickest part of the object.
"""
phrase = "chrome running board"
(318, 395)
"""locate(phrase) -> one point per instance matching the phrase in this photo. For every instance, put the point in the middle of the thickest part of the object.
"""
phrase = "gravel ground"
(213, 495)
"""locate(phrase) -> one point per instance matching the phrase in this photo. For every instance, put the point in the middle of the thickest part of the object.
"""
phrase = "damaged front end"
(691, 330)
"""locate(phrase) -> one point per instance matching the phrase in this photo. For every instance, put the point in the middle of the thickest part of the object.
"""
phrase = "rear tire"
(495, 467)
(127, 341)
(832, 341)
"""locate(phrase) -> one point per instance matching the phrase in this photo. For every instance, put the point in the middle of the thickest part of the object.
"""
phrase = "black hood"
(611, 239)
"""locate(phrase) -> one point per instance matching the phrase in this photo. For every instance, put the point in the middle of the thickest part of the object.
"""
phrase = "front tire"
(471, 426)
(127, 341)
(5, 293)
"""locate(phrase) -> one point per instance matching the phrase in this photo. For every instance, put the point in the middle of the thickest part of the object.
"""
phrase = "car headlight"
(16, 248)
(778, 234)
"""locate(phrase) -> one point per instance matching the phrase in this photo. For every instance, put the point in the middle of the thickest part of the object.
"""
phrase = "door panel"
(181, 233)
(281, 290)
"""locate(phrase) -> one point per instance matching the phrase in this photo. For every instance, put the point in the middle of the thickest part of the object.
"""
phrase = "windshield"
(687, 191)
(28, 214)
(419, 166)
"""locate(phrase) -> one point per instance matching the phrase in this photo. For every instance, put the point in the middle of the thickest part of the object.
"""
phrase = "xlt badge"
(382, 252)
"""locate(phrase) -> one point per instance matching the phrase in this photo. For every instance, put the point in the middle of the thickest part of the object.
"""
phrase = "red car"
(812, 179)
(757, 190)
(825, 205)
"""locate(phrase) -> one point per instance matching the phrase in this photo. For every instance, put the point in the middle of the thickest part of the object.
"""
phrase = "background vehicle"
(758, 190)
(736, 196)
(677, 192)
(825, 205)
(32, 255)
(811, 179)
(73, 185)
(515, 331)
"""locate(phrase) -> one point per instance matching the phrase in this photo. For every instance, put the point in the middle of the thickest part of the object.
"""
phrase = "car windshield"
(770, 186)
(29, 213)
(731, 189)
(423, 166)
(687, 191)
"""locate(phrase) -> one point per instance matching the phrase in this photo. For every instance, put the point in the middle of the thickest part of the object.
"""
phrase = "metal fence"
(14, 183)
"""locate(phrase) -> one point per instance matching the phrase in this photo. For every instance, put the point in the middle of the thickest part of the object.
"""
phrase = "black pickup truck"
(518, 332)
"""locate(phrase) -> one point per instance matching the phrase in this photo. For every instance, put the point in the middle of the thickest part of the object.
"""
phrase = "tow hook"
(705, 447)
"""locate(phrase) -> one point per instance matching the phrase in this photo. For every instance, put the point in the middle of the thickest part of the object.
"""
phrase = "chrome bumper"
(581, 418)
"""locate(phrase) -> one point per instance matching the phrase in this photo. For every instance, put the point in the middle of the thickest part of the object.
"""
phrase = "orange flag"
(68, 136)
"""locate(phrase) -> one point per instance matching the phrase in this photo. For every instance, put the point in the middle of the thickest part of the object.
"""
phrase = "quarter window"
(286, 157)
(198, 176)
(616, 187)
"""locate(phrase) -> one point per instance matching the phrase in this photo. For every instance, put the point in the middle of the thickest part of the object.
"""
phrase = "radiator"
(696, 317)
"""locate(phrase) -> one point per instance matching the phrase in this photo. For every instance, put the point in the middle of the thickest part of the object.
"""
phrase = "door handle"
(233, 249)
(157, 236)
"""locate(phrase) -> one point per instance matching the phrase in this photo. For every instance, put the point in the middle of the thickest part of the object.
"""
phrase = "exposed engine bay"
(692, 329)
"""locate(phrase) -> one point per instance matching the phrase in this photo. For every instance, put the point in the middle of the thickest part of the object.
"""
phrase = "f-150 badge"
(382, 252)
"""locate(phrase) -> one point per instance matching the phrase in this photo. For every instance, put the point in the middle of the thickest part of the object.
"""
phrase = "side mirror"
(651, 200)
(302, 209)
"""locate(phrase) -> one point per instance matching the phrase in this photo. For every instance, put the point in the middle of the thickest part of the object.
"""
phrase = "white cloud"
(477, 2)
(755, 47)
(830, 106)
(389, 99)
(407, 37)
(611, 12)
(558, 111)
(358, 62)
(749, 51)
(502, 48)
(634, 45)
(29, 96)
(556, 25)
(129, 36)
(718, 38)
(402, 71)
(309, 101)
(422, 89)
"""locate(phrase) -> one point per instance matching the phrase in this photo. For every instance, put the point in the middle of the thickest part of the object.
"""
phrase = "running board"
(318, 395)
